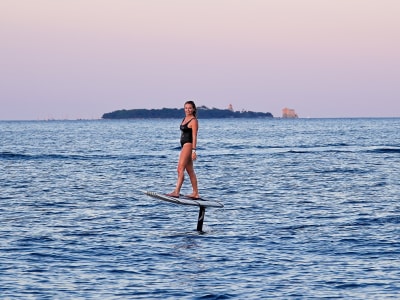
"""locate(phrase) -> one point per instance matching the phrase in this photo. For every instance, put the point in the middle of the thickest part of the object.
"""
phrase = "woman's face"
(188, 109)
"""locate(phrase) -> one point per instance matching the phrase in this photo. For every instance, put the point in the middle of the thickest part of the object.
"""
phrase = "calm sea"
(312, 210)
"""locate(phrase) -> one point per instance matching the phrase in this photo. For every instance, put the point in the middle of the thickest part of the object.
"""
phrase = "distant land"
(289, 113)
(203, 112)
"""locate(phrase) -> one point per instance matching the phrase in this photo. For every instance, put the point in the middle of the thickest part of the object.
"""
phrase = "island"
(202, 112)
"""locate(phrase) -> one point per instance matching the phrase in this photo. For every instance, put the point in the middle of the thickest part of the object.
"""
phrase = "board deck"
(185, 200)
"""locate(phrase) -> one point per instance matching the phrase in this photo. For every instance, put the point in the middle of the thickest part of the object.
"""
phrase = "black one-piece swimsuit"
(186, 136)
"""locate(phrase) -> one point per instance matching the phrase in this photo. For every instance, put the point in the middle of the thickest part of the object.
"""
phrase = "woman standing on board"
(189, 128)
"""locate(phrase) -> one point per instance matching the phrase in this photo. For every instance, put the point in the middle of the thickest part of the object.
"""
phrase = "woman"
(189, 128)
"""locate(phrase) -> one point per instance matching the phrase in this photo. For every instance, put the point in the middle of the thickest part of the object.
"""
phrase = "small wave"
(385, 150)
(10, 155)
(382, 150)
(20, 156)
(392, 219)
(318, 151)
(342, 170)
(239, 147)
(338, 145)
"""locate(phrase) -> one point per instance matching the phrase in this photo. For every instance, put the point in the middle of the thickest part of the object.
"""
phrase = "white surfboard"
(185, 200)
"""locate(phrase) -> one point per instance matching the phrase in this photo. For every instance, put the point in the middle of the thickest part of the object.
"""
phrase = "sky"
(79, 59)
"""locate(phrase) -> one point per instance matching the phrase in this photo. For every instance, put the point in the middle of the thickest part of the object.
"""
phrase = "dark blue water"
(312, 210)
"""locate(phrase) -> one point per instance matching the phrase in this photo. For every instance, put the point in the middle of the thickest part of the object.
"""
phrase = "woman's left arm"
(195, 129)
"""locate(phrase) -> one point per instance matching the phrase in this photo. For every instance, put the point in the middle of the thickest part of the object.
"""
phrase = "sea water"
(312, 210)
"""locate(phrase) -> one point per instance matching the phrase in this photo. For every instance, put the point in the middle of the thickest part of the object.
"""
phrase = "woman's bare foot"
(173, 194)
(193, 196)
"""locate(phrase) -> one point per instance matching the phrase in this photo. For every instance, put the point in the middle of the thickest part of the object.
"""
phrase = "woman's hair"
(194, 107)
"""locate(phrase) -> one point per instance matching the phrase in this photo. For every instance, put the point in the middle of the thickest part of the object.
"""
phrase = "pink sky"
(81, 58)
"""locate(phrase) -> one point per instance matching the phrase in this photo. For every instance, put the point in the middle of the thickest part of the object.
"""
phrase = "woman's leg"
(184, 158)
(193, 179)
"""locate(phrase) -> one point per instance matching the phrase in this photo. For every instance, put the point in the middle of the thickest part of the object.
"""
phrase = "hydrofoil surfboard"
(201, 203)
(185, 200)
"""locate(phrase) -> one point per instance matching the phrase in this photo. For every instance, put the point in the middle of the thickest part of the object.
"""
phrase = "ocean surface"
(312, 210)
